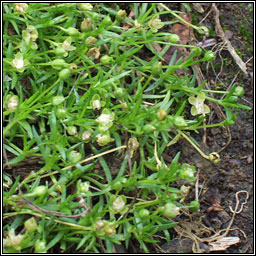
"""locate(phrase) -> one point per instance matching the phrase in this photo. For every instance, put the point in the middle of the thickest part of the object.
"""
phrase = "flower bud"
(144, 213)
(59, 64)
(196, 51)
(109, 229)
(85, 6)
(30, 224)
(119, 92)
(86, 135)
(107, 21)
(105, 59)
(38, 191)
(99, 224)
(239, 91)
(73, 32)
(40, 246)
(57, 100)
(156, 69)
(174, 196)
(194, 206)
(86, 25)
(90, 41)
(214, 157)
(209, 56)
(179, 121)
(171, 210)
(121, 14)
(21, 7)
(148, 129)
(173, 38)
(161, 114)
(72, 130)
(61, 112)
(12, 102)
(64, 74)
(74, 156)
(104, 139)
(60, 51)
(119, 203)
(232, 99)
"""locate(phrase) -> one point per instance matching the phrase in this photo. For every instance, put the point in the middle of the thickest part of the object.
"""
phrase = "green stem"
(177, 16)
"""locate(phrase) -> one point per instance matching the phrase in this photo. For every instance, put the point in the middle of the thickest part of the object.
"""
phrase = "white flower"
(118, 204)
(137, 24)
(85, 6)
(104, 139)
(84, 187)
(18, 62)
(21, 7)
(66, 45)
(13, 241)
(86, 135)
(96, 104)
(104, 119)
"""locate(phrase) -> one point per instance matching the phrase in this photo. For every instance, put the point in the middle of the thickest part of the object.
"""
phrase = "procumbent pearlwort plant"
(87, 94)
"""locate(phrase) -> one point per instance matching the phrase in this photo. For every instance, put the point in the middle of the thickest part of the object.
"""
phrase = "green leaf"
(55, 240)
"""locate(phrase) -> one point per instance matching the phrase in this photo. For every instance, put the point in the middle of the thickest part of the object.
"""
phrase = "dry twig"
(220, 33)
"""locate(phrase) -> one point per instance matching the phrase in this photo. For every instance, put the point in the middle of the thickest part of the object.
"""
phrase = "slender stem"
(177, 16)
(192, 143)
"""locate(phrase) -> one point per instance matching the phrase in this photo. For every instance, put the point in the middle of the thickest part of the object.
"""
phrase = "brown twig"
(220, 33)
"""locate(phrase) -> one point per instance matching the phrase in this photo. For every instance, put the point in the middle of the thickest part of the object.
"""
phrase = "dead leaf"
(223, 243)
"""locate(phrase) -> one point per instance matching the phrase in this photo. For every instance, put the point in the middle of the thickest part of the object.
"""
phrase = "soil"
(218, 184)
